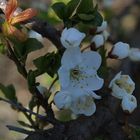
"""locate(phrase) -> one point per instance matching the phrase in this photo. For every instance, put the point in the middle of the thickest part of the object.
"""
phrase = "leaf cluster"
(78, 11)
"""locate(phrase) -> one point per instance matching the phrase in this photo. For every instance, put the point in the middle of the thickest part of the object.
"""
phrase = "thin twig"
(20, 130)
(21, 108)
(52, 84)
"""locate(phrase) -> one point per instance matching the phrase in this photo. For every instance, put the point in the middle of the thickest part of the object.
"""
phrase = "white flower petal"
(94, 95)
(71, 37)
(89, 82)
(105, 35)
(134, 54)
(102, 27)
(64, 77)
(62, 99)
(98, 40)
(121, 50)
(83, 105)
(71, 57)
(91, 60)
(117, 76)
(129, 103)
(117, 91)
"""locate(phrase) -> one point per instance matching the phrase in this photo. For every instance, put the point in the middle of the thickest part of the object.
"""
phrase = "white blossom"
(77, 100)
(120, 50)
(102, 27)
(63, 99)
(105, 34)
(129, 103)
(121, 85)
(80, 69)
(134, 54)
(98, 40)
(71, 37)
(78, 79)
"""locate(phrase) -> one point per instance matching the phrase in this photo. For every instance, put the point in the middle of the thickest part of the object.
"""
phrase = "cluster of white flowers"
(122, 88)
(119, 50)
(78, 75)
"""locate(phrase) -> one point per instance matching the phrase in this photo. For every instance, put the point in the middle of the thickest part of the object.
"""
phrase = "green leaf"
(31, 81)
(9, 92)
(86, 17)
(85, 6)
(49, 63)
(71, 7)
(60, 9)
(23, 49)
(32, 103)
(31, 45)
(2, 48)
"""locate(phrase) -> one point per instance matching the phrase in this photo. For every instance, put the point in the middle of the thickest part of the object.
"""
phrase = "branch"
(85, 128)
(20, 130)
(22, 109)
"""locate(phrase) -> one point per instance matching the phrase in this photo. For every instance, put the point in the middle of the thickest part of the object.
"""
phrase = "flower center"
(75, 73)
(122, 83)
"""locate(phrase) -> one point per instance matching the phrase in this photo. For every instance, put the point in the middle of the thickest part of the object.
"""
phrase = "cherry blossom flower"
(77, 100)
(120, 50)
(71, 37)
(80, 69)
(78, 79)
(12, 18)
(129, 103)
(121, 85)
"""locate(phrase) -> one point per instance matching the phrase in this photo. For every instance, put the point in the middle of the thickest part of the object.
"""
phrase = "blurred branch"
(85, 128)
(20, 130)
(22, 109)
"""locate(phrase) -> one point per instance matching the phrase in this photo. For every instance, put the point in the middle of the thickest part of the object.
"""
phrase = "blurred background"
(123, 17)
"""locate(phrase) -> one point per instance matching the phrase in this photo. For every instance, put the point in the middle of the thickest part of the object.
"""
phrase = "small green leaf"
(9, 92)
(23, 49)
(31, 80)
(60, 9)
(32, 44)
(85, 6)
(71, 7)
(86, 17)
(2, 48)
(32, 103)
(48, 63)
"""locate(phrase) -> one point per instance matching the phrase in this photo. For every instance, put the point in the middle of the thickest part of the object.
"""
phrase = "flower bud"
(105, 35)
(129, 103)
(121, 85)
(102, 27)
(98, 40)
(71, 37)
(120, 50)
(134, 54)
